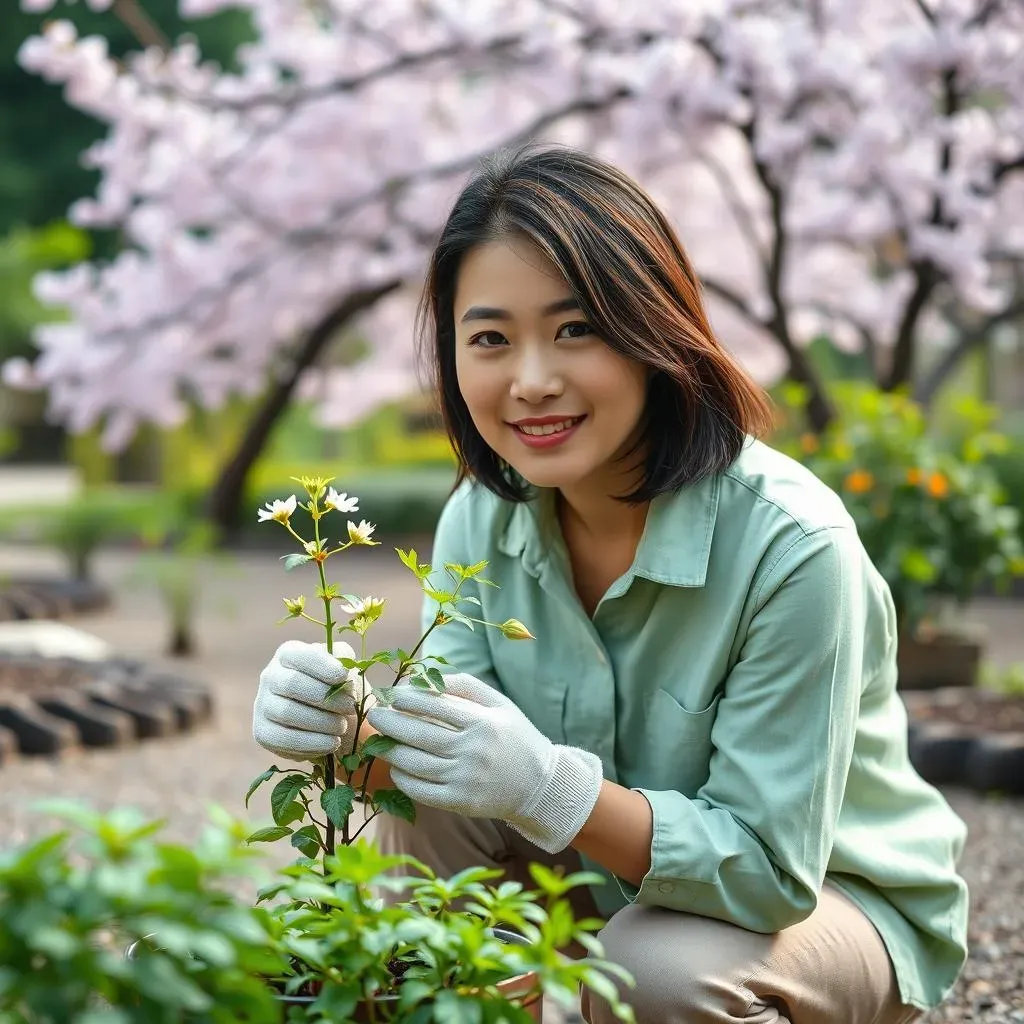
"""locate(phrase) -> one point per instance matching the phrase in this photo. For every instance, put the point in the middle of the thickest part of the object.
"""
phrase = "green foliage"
(931, 512)
(42, 137)
(345, 947)
(23, 254)
(70, 904)
(80, 527)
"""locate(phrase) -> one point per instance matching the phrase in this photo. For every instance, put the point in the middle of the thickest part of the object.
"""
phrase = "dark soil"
(985, 711)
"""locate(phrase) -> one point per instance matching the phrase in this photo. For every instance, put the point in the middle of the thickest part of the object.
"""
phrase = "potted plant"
(933, 518)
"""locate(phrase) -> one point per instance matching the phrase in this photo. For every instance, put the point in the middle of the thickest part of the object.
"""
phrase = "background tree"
(848, 168)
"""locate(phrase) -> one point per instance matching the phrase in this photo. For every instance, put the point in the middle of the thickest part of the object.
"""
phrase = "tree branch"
(926, 274)
(140, 24)
(737, 207)
(224, 501)
(969, 340)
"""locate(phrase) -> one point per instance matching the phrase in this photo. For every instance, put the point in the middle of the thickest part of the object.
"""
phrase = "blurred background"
(214, 219)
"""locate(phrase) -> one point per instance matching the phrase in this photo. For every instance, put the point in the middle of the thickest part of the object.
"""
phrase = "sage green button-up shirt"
(742, 676)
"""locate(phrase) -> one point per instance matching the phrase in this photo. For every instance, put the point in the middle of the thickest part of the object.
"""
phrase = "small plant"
(932, 516)
(290, 800)
(423, 960)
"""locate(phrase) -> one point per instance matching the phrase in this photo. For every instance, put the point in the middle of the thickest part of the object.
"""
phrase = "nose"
(536, 377)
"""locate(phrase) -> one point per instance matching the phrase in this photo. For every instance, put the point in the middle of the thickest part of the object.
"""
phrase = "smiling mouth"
(546, 429)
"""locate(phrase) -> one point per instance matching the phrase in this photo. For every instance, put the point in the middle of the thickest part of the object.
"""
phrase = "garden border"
(963, 754)
(67, 703)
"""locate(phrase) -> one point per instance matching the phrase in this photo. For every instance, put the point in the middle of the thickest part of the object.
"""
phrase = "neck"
(600, 518)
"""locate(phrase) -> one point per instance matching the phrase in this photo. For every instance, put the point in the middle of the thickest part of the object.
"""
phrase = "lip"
(545, 440)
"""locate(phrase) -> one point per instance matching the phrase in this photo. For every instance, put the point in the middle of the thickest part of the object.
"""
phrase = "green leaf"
(435, 677)
(337, 804)
(408, 558)
(394, 801)
(457, 616)
(352, 761)
(268, 835)
(377, 745)
(292, 813)
(259, 780)
(284, 793)
(294, 560)
(307, 840)
(384, 694)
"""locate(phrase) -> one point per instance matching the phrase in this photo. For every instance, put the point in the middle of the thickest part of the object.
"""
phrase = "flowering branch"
(289, 800)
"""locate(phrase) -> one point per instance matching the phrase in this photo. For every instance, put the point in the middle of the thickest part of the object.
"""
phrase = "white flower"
(362, 533)
(278, 510)
(361, 605)
(341, 502)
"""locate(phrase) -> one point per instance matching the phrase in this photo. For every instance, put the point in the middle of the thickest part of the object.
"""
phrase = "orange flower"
(938, 485)
(808, 444)
(914, 477)
(860, 481)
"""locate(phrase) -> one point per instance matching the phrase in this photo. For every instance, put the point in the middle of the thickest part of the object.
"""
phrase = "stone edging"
(23, 597)
(51, 705)
(948, 748)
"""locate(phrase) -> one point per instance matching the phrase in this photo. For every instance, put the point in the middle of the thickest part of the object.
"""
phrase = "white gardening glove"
(292, 716)
(481, 757)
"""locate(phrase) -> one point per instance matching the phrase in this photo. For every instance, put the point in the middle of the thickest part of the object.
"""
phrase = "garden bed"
(968, 736)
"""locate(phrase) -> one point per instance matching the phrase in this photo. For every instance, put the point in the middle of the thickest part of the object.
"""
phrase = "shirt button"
(665, 887)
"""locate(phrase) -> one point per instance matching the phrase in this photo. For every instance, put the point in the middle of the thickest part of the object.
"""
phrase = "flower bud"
(513, 629)
(295, 605)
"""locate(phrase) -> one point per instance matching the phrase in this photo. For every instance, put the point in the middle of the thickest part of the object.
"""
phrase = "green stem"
(364, 824)
(329, 627)
(411, 660)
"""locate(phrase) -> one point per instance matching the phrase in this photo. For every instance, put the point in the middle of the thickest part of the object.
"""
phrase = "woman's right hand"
(292, 715)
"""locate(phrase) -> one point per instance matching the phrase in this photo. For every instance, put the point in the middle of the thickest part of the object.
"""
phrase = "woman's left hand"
(471, 751)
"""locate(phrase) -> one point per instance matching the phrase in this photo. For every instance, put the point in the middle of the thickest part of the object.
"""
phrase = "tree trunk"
(819, 409)
(224, 504)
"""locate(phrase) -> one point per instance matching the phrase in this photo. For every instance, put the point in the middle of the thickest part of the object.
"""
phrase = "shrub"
(931, 512)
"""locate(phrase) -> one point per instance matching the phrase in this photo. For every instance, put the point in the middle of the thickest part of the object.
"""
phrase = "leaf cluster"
(446, 939)
(932, 515)
(71, 903)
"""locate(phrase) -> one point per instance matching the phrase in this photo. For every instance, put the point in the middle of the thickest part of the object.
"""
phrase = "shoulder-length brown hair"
(634, 284)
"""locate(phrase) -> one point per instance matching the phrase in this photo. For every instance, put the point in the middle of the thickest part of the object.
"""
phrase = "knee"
(684, 967)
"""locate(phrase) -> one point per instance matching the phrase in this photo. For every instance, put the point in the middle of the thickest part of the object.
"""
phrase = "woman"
(709, 714)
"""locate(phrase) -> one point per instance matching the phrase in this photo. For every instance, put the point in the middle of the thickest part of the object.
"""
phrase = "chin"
(547, 476)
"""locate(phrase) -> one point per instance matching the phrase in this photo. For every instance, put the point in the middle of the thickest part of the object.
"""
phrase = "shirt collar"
(674, 549)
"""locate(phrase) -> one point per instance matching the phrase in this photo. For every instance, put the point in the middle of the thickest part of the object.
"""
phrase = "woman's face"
(545, 392)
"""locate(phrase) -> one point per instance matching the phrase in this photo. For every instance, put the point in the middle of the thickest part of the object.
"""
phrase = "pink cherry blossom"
(828, 165)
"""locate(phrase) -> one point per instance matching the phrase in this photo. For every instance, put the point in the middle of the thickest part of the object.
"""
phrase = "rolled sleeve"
(753, 844)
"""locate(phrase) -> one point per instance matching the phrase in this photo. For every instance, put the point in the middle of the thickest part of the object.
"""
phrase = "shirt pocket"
(677, 744)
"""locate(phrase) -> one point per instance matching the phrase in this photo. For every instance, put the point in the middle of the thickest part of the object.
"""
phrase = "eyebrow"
(494, 313)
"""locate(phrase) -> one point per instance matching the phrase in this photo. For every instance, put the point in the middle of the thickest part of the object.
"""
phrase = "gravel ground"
(176, 779)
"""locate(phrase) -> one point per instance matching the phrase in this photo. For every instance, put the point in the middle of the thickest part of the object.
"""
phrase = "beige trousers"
(830, 969)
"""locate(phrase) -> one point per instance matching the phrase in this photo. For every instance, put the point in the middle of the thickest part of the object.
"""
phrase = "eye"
(576, 329)
(487, 339)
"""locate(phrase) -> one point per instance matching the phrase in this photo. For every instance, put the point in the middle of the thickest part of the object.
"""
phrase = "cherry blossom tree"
(836, 167)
